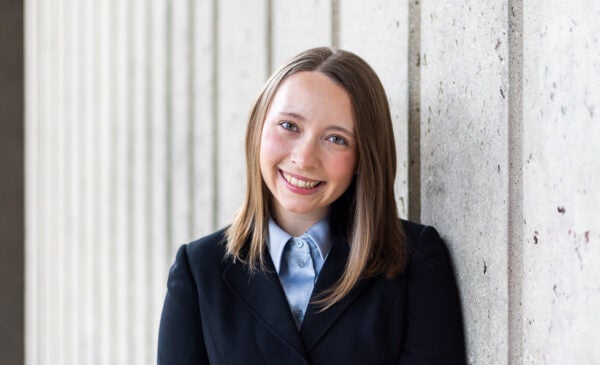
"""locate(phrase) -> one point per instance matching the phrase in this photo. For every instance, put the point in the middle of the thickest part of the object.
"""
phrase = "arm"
(434, 328)
(180, 339)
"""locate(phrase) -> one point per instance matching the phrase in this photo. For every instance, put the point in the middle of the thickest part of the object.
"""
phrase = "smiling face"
(308, 149)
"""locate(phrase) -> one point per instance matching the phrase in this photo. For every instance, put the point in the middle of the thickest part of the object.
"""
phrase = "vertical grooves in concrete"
(515, 186)
(215, 114)
(148, 214)
(414, 111)
(191, 115)
(113, 116)
(335, 23)
(169, 123)
(269, 39)
(128, 251)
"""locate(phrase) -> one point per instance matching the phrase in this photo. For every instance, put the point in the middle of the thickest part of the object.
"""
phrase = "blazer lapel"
(316, 323)
(263, 296)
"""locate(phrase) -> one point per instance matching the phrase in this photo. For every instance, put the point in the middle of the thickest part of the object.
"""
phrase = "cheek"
(272, 146)
(343, 168)
(270, 151)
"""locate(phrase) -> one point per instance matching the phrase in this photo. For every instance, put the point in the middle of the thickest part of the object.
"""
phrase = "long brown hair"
(366, 213)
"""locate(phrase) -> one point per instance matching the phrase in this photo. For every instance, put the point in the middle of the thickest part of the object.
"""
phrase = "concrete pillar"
(242, 69)
(297, 28)
(561, 176)
(464, 158)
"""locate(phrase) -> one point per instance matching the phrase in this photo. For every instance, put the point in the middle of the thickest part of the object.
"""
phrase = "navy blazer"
(216, 312)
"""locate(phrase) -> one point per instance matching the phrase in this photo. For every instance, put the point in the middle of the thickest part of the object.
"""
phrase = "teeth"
(300, 183)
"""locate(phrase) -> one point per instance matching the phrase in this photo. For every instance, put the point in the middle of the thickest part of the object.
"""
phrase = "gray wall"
(561, 179)
(135, 115)
(465, 167)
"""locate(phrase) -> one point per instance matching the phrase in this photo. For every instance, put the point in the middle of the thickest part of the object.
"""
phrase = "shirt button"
(301, 263)
(299, 243)
(297, 313)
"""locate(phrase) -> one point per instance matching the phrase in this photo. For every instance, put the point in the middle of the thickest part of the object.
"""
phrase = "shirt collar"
(319, 233)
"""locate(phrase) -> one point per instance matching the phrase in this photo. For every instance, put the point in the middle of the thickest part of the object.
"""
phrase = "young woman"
(316, 268)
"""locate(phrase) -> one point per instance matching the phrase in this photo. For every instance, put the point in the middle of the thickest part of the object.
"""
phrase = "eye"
(288, 126)
(337, 140)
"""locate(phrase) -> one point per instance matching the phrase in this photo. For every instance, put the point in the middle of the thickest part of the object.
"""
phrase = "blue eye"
(288, 125)
(337, 140)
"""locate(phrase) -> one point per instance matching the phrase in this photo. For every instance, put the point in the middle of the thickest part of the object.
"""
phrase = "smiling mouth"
(299, 183)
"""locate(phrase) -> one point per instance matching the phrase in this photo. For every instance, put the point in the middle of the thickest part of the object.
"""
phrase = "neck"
(297, 224)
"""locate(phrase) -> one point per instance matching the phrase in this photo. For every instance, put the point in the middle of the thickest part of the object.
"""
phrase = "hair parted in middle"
(366, 214)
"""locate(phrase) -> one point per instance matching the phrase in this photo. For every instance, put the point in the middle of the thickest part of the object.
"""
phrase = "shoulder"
(425, 246)
(418, 234)
(205, 253)
(427, 253)
(210, 245)
(432, 300)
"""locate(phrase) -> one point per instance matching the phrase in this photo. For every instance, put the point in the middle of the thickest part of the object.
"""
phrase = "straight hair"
(366, 214)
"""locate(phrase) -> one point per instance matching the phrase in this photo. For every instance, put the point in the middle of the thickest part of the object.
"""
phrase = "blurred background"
(121, 138)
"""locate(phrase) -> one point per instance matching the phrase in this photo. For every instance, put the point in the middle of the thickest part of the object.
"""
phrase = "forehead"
(312, 95)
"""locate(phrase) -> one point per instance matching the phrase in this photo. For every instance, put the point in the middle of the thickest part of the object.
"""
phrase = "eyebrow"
(341, 129)
(333, 127)
(293, 115)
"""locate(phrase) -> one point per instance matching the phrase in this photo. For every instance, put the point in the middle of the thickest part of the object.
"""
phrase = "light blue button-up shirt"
(299, 266)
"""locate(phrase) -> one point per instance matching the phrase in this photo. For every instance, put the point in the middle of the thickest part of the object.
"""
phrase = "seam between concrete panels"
(269, 38)
(515, 181)
(335, 23)
(149, 67)
(414, 112)
(169, 124)
(191, 115)
(215, 114)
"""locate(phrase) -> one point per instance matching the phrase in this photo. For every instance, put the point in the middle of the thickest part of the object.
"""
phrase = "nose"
(305, 154)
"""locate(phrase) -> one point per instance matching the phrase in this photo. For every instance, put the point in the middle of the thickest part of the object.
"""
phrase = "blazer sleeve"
(180, 338)
(434, 327)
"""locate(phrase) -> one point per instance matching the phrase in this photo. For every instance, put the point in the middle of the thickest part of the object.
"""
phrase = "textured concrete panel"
(561, 93)
(464, 165)
(158, 247)
(297, 26)
(180, 106)
(242, 71)
(204, 97)
(378, 32)
(92, 192)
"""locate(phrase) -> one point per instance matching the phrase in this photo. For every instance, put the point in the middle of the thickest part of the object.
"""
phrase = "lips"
(301, 183)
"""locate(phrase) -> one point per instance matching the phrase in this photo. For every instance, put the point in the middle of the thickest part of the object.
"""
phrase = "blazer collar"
(264, 297)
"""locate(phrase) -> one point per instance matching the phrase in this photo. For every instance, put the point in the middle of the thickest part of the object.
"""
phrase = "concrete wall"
(465, 158)
(561, 180)
(135, 116)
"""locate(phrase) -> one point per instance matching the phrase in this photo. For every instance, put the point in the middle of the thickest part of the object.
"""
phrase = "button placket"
(298, 276)
(302, 253)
